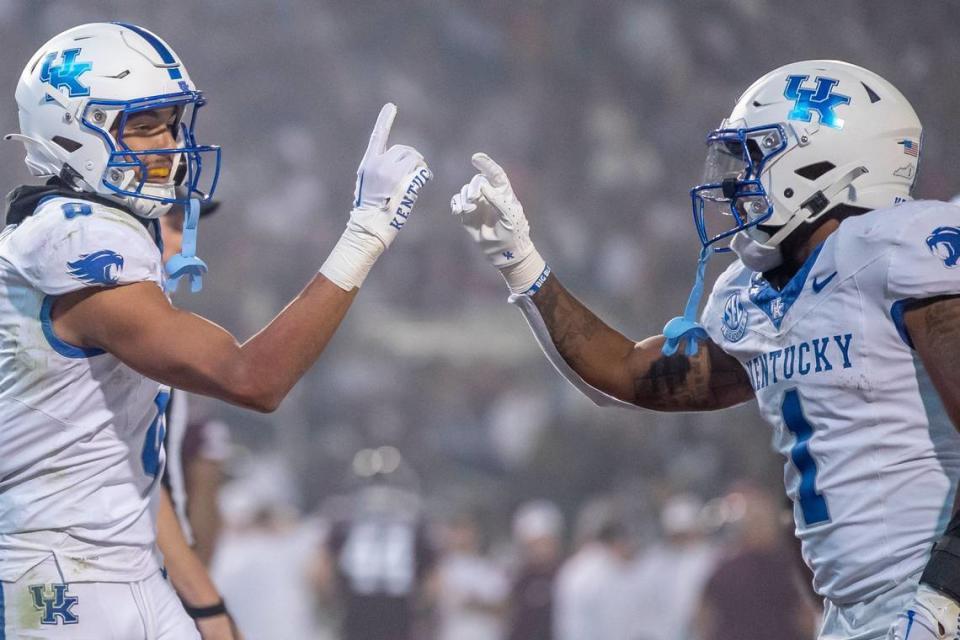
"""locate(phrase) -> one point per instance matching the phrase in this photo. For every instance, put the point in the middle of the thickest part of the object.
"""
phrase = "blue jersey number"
(813, 505)
(154, 439)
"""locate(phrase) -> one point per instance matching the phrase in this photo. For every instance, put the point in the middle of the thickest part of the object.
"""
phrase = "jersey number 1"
(812, 504)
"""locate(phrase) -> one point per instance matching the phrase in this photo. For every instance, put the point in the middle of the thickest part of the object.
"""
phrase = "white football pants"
(867, 620)
(40, 606)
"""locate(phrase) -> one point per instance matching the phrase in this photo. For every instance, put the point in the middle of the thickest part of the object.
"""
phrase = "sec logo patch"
(734, 321)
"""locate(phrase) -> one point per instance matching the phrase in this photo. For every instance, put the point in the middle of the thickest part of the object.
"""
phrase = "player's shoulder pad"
(69, 244)
(925, 251)
(882, 233)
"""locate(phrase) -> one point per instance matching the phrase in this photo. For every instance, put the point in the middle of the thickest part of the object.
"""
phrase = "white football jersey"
(80, 432)
(871, 466)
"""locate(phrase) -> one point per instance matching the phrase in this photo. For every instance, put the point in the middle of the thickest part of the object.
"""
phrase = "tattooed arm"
(637, 372)
(934, 328)
(602, 358)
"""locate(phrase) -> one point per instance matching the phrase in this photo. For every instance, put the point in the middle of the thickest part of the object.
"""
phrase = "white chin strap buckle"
(755, 256)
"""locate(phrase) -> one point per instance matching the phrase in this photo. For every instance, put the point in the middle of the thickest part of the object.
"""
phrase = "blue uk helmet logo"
(944, 243)
(65, 75)
(102, 267)
(820, 99)
(734, 321)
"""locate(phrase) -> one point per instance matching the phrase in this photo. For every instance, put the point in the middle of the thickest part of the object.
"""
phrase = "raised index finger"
(381, 130)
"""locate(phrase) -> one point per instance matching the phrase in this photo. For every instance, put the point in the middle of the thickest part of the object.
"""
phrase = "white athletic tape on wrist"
(524, 274)
(352, 258)
(532, 315)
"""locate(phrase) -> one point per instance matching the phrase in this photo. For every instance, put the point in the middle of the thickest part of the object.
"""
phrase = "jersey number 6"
(154, 438)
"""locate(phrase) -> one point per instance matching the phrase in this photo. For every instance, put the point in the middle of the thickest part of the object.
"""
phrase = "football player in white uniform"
(107, 114)
(843, 290)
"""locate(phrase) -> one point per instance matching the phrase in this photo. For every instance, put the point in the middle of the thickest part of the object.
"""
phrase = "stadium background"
(598, 110)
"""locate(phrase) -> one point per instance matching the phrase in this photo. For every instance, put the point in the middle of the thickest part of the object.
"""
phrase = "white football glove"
(931, 616)
(492, 215)
(388, 185)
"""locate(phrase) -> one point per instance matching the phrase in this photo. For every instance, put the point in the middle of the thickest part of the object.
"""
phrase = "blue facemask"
(731, 189)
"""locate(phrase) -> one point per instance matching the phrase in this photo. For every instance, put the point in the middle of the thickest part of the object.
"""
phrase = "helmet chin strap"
(764, 256)
(754, 255)
(146, 208)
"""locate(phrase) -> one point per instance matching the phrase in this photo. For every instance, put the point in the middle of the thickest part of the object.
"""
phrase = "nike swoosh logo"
(818, 286)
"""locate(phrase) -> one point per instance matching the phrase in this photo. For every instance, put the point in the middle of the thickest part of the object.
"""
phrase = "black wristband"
(943, 569)
(198, 613)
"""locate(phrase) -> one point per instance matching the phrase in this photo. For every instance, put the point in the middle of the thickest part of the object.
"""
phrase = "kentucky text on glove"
(409, 198)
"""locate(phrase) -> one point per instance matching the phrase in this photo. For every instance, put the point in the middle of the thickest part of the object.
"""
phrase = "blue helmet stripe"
(165, 54)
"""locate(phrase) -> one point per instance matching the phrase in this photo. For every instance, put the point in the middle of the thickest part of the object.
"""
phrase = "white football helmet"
(801, 140)
(74, 97)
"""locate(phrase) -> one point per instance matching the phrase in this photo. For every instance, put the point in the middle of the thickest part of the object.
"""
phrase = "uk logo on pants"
(54, 603)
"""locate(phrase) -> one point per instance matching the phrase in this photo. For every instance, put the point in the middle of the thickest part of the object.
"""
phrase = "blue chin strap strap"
(186, 263)
(686, 327)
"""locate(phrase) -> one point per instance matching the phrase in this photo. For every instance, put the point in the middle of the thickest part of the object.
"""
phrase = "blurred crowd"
(598, 109)
(377, 563)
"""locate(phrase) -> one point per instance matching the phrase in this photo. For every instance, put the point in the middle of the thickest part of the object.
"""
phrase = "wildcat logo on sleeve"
(944, 243)
(734, 321)
(102, 267)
